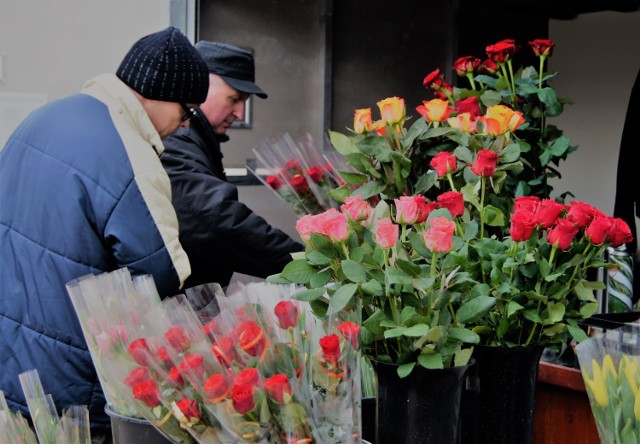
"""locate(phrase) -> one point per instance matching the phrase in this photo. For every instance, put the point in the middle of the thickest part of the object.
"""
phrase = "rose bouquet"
(238, 369)
(301, 174)
(611, 370)
(449, 238)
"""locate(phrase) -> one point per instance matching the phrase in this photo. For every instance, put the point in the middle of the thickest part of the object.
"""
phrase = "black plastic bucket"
(128, 430)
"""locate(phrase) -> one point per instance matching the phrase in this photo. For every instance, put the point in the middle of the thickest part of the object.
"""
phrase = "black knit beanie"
(165, 66)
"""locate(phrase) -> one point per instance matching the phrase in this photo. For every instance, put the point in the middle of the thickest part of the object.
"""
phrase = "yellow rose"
(362, 121)
(463, 122)
(436, 110)
(392, 110)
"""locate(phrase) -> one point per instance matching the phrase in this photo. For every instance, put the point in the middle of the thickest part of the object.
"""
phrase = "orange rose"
(362, 121)
(436, 110)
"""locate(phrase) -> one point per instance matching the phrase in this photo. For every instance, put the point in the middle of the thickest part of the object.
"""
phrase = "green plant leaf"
(405, 369)
(342, 296)
(370, 189)
(317, 258)
(354, 271)
(298, 272)
(372, 287)
(431, 361)
(311, 295)
(416, 331)
(464, 335)
(475, 308)
(320, 279)
(343, 144)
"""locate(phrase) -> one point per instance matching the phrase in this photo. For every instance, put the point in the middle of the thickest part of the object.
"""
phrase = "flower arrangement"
(301, 174)
(243, 368)
(450, 237)
(611, 372)
(13, 426)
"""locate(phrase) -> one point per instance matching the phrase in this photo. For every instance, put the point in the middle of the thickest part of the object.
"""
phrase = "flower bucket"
(128, 430)
(423, 407)
(499, 397)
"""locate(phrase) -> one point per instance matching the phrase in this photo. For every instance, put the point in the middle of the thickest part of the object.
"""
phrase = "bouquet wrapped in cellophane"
(610, 365)
(13, 426)
(245, 367)
(302, 174)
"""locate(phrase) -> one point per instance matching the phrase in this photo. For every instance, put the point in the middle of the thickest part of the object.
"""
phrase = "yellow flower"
(464, 122)
(362, 121)
(500, 118)
(596, 385)
(629, 368)
(436, 110)
(608, 368)
(392, 110)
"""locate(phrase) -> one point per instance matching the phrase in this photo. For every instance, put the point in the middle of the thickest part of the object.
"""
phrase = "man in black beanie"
(220, 234)
(82, 191)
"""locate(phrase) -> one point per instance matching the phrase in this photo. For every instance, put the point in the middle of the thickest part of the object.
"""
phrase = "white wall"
(597, 56)
(50, 48)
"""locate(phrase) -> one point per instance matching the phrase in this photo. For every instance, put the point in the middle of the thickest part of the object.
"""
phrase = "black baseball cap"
(234, 65)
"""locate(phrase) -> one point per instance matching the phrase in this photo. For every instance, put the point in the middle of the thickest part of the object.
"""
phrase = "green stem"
(450, 179)
(512, 81)
(483, 182)
(473, 83)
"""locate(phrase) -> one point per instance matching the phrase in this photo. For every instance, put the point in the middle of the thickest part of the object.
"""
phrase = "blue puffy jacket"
(82, 191)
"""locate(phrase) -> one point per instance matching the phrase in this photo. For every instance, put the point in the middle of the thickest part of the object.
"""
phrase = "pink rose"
(439, 237)
(334, 225)
(406, 210)
(306, 225)
(356, 208)
(387, 233)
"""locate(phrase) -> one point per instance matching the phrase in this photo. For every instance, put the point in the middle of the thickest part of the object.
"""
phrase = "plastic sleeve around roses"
(75, 425)
(610, 366)
(13, 426)
(42, 408)
(335, 388)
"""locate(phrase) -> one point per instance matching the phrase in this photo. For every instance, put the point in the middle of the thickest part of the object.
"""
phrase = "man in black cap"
(82, 191)
(220, 234)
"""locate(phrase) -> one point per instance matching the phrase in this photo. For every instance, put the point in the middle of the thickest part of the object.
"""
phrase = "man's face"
(224, 104)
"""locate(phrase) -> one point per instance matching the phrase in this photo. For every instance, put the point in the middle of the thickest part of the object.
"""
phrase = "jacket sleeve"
(215, 227)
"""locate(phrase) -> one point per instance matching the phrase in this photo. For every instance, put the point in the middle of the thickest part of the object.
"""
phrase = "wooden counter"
(562, 413)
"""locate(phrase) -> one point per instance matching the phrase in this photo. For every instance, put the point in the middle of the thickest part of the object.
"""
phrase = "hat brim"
(245, 86)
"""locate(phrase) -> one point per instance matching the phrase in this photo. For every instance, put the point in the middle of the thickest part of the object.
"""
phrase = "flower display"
(246, 370)
(301, 174)
(611, 372)
(456, 240)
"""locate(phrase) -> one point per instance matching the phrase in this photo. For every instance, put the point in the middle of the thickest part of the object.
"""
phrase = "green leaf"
(416, 331)
(372, 287)
(370, 189)
(298, 272)
(556, 312)
(317, 258)
(513, 307)
(464, 335)
(393, 332)
(277, 279)
(432, 361)
(493, 216)
(588, 310)
(405, 369)
(343, 144)
(311, 295)
(577, 333)
(354, 271)
(474, 309)
(426, 182)
(320, 279)
(342, 297)
(354, 178)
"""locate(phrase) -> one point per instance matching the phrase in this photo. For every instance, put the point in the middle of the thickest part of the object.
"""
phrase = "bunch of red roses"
(247, 374)
(301, 174)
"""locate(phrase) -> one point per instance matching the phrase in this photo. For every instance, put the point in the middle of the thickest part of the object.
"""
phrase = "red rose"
(247, 376)
(174, 378)
(193, 364)
(242, 398)
(598, 228)
(350, 331)
(293, 166)
(469, 105)
(136, 376)
(619, 233)
(251, 338)
(216, 387)
(147, 392)
(580, 213)
(424, 208)
(466, 65)
(273, 182)
(316, 173)
(139, 350)
(299, 183)
(452, 201)
(287, 314)
(276, 386)
(547, 212)
(529, 203)
(562, 234)
(542, 47)
(502, 51)
(434, 80)
(488, 67)
(177, 337)
(444, 162)
(189, 408)
(330, 346)
(522, 225)
(225, 351)
(164, 357)
(485, 164)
